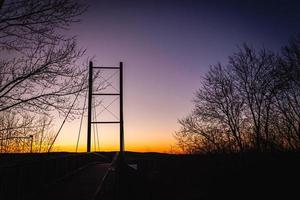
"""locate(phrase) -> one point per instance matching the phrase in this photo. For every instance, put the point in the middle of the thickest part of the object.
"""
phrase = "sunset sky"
(166, 47)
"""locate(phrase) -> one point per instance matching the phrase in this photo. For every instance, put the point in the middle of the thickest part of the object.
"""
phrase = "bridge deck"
(81, 185)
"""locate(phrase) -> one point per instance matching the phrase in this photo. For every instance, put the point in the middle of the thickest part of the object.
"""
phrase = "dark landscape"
(165, 176)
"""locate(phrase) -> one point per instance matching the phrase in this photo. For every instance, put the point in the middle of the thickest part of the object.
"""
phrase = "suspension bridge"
(84, 176)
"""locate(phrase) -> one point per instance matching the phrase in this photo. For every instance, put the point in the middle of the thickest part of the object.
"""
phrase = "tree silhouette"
(17, 133)
(252, 103)
(288, 99)
(39, 73)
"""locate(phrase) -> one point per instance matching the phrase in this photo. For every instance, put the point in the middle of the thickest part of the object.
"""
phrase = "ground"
(238, 176)
(204, 177)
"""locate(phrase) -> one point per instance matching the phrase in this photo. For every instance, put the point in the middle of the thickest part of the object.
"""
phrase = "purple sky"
(168, 45)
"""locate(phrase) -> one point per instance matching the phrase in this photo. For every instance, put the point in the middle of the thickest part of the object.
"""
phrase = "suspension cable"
(95, 128)
(96, 143)
(97, 133)
(69, 111)
(81, 120)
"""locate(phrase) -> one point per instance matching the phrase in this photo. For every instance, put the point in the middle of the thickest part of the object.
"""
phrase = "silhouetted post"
(31, 142)
(1, 3)
(121, 111)
(89, 128)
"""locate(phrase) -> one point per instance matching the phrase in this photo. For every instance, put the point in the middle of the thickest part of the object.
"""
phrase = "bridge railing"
(22, 180)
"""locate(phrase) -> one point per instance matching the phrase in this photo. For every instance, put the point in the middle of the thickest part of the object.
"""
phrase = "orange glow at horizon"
(162, 146)
(146, 141)
(144, 131)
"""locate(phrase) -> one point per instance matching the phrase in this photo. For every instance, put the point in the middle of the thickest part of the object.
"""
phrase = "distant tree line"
(250, 104)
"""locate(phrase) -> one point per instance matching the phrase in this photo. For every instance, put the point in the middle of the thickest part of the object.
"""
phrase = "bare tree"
(218, 100)
(218, 116)
(288, 99)
(252, 103)
(253, 73)
(42, 73)
(199, 136)
(24, 132)
(39, 71)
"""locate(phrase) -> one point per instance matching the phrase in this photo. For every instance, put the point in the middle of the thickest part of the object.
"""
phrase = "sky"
(167, 46)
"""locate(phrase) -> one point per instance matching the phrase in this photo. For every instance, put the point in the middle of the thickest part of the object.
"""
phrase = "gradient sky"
(166, 47)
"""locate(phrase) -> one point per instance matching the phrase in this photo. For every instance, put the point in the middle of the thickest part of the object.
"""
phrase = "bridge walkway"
(80, 185)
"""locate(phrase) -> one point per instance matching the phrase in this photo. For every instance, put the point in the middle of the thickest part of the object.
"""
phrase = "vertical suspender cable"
(78, 138)
(97, 133)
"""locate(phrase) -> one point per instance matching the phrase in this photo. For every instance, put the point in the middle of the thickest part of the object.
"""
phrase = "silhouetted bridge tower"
(90, 103)
(84, 176)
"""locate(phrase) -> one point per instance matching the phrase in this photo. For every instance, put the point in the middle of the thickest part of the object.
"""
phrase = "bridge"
(78, 176)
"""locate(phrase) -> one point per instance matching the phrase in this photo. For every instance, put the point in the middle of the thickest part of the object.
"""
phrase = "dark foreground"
(150, 176)
(246, 176)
